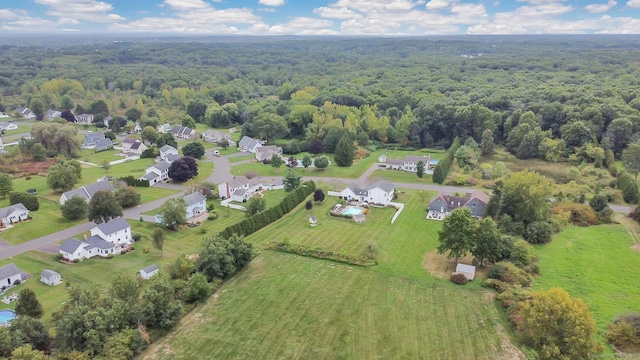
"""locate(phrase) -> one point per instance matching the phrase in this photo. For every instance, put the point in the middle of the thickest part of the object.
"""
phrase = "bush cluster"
(624, 332)
(256, 222)
(28, 200)
(572, 213)
(458, 278)
(629, 188)
(131, 181)
(442, 168)
(302, 250)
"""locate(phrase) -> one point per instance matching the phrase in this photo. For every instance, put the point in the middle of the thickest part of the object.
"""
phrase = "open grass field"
(89, 155)
(597, 264)
(289, 307)
(400, 176)
(20, 130)
(236, 159)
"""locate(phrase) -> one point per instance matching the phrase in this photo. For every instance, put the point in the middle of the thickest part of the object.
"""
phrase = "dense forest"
(546, 97)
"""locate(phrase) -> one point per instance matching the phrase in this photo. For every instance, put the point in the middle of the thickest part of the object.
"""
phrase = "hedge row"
(629, 188)
(28, 200)
(443, 166)
(131, 181)
(318, 253)
(256, 222)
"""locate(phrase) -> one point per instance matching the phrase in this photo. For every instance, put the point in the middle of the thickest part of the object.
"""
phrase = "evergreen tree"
(344, 153)
(28, 304)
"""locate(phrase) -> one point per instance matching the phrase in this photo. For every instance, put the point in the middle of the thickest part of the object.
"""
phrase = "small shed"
(468, 271)
(149, 271)
(382, 158)
(313, 221)
(50, 277)
(359, 218)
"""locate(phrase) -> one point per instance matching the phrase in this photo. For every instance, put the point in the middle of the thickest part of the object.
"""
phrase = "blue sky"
(322, 17)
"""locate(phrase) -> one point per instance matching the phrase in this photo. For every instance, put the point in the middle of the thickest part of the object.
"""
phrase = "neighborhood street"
(222, 172)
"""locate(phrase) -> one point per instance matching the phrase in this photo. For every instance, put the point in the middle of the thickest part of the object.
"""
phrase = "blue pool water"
(353, 210)
(6, 316)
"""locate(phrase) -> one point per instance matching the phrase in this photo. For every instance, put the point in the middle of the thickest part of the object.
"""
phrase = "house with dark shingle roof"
(380, 193)
(444, 204)
(86, 192)
(116, 231)
(183, 132)
(91, 139)
(13, 214)
(9, 274)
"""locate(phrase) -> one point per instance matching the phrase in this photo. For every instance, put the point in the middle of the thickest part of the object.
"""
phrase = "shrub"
(136, 236)
(17, 282)
(624, 332)
(213, 216)
(28, 200)
(28, 178)
(521, 253)
(209, 207)
(510, 274)
(577, 214)
(538, 232)
(458, 278)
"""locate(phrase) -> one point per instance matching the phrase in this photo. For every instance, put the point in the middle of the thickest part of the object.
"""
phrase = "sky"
(321, 17)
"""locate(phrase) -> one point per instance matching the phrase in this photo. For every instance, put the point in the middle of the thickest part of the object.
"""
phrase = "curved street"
(222, 172)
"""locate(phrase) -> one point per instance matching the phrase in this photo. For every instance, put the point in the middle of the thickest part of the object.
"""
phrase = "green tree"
(133, 114)
(74, 208)
(166, 139)
(220, 257)
(198, 289)
(62, 177)
(197, 109)
(66, 103)
(77, 166)
(37, 106)
(6, 185)
(173, 213)
(29, 330)
(103, 207)
(158, 240)
(321, 162)
(489, 245)
(306, 161)
(28, 304)
(149, 135)
(291, 181)
(182, 268)
(487, 144)
(57, 138)
(344, 153)
(631, 159)
(159, 307)
(194, 149)
(276, 161)
(457, 235)
(270, 126)
(26, 352)
(318, 195)
(188, 121)
(420, 169)
(127, 196)
(38, 152)
(599, 202)
(557, 326)
(224, 143)
(126, 288)
(255, 205)
(525, 197)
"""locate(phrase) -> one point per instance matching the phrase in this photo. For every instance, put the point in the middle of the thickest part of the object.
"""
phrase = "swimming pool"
(353, 210)
(6, 316)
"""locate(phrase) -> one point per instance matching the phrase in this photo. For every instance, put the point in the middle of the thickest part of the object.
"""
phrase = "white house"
(183, 132)
(164, 128)
(249, 144)
(149, 271)
(13, 214)
(116, 231)
(9, 274)
(409, 163)
(7, 126)
(52, 114)
(214, 136)
(86, 192)
(167, 150)
(137, 128)
(380, 193)
(157, 173)
(137, 148)
(84, 119)
(196, 204)
(239, 189)
(72, 249)
(25, 112)
(267, 152)
(50, 277)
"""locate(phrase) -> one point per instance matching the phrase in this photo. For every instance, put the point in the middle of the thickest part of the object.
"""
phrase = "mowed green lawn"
(90, 155)
(289, 307)
(596, 264)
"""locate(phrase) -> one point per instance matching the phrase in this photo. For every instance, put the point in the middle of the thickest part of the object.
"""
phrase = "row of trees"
(442, 167)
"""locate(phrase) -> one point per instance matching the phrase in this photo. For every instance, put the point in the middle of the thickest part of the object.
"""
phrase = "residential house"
(126, 144)
(239, 189)
(382, 158)
(3, 115)
(164, 128)
(103, 144)
(90, 139)
(25, 112)
(76, 250)
(149, 271)
(7, 126)
(50, 277)
(13, 214)
(156, 173)
(409, 163)
(167, 150)
(183, 132)
(196, 204)
(137, 128)
(395, 164)
(444, 204)
(214, 136)
(137, 148)
(249, 144)
(9, 274)
(380, 193)
(267, 152)
(116, 231)
(52, 114)
(86, 192)
(86, 119)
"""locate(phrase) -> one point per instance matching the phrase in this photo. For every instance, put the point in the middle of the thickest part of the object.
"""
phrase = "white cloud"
(82, 10)
(600, 8)
(6, 14)
(633, 4)
(304, 26)
(438, 4)
(186, 4)
(336, 13)
(271, 2)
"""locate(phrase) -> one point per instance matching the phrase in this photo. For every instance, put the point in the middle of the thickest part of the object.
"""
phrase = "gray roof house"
(444, 204)
(26, 112)
(52, 114)
(214, 136)
(149, 271)
(86, 192)
(13, 214)
(196, 204)
(103, 144)
(183, 132)
(117, 231)
(50, 277)
(90, 139)
(249, 144)
(267, 152)
(379, 193)
(9, 274)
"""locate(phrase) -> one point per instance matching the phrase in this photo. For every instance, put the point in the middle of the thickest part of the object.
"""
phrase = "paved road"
(222, 172)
